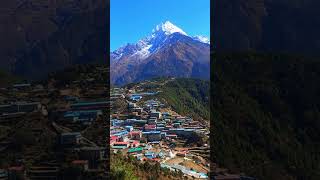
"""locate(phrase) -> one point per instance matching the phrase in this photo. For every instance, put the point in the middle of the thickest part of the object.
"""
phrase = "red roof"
(114, 137)
(135, 142)
(150, 126)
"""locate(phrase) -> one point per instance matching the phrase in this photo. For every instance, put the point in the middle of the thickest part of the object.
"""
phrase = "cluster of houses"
(156, 127)
(82, 111)
(149, 130)
(12, 111)
(65, 111)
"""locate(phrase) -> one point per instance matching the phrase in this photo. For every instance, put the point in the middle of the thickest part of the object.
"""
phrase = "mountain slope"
(168, 51)
(266, 115)
(45, 36)
(188, 97)
(267, 25)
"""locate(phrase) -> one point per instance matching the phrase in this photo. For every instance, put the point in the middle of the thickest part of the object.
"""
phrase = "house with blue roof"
(149, 155)
(82, 115)
(135, 97)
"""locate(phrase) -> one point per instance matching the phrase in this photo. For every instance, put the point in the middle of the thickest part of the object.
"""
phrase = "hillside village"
(54, 130)
(60, 129)
(150, 130)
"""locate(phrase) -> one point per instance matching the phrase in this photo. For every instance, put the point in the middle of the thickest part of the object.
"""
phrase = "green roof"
(131, 150)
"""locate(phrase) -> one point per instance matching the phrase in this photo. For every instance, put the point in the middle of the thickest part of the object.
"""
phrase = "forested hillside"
(267, 25)
(188, 97)
(266, 117)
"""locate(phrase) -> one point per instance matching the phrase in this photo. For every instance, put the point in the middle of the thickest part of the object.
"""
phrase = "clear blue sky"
(131, 20)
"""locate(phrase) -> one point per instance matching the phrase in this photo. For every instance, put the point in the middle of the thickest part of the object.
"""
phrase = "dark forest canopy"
(288, 26)
(266, 115)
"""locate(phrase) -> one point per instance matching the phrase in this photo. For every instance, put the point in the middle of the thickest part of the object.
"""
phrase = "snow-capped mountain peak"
(168, 28)
(167, 51)
(150, 44)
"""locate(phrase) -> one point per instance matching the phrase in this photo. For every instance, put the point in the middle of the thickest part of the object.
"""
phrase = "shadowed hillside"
(267, 25)
(266, 115)
(45, 36)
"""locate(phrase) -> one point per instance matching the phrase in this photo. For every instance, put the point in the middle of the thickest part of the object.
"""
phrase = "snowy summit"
(168, 28)
(150, 44)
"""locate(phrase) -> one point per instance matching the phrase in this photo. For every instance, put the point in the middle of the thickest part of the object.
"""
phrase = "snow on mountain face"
(202, 39)
(128, 49)
(151, 43)
(167, 51)
(168, 28)
(144, 47)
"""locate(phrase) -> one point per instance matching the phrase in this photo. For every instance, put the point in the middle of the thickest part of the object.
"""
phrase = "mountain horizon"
(167, 51)
(170, 27)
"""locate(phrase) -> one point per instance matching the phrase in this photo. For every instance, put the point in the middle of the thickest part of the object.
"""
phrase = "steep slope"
(146, 46)
(44, 36)
(168, 51)
(188, 97)
(266, 115)
(267, 25)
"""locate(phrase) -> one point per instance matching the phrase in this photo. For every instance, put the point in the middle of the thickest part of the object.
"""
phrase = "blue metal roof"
(119, 133)
(78, 113)
(151, 132)
(149, 153)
